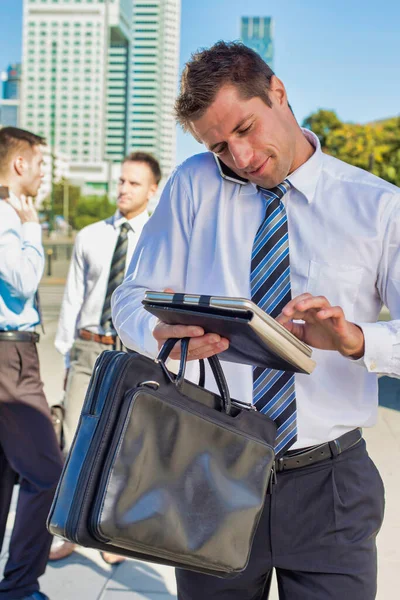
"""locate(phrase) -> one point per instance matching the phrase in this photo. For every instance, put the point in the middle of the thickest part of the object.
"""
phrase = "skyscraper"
(154, 78)
(84, 82)
(258, 33)
(12, 82)
(66, 45)
(10, 102)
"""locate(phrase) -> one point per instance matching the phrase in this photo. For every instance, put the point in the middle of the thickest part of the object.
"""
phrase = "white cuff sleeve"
(149, 341)
(381, 346)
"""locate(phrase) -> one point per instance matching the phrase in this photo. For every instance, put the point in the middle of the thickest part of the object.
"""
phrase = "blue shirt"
(21, 269)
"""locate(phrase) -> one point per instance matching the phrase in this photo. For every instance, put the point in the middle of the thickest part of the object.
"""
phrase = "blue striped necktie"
(273, 391)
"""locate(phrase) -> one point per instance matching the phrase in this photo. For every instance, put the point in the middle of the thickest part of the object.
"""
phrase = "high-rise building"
(68, 77)
(10, 102)
(154, 79)
(258, 33)
(90, 69)
(12, 82)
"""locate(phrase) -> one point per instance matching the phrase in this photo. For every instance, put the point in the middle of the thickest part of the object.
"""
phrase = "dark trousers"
(318, 531)
(28, 447)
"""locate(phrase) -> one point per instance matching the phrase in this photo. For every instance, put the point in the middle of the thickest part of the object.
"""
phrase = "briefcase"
(163, 470)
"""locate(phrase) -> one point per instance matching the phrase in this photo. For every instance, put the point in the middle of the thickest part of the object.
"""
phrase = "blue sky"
(342, 55)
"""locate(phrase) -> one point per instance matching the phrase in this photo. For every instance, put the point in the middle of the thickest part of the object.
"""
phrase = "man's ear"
(19, 165)
(278, 90)
(152, 190)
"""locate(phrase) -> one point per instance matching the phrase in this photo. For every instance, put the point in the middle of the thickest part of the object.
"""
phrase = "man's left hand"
(324, 326)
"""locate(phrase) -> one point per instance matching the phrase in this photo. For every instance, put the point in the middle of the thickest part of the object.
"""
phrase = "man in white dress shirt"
(320, 522)
(101, 255)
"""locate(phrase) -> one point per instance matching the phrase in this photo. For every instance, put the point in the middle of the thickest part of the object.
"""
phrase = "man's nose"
(241, 153)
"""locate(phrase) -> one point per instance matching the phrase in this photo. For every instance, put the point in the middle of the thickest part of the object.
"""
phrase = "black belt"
(19, 336)
(310, 456)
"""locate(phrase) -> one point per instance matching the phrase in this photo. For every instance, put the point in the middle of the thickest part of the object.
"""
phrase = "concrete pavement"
(84, 575)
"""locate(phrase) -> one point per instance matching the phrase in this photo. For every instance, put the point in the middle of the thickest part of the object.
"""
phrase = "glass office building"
(10, 103)
(258, 34)
(87, 65)
(154, 79)
(12, 82)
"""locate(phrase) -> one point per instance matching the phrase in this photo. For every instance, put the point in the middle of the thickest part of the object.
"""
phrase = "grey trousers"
(318, 531)
(83, 357)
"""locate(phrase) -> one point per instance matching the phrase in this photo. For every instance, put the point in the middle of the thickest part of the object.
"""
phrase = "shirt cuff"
(379, 341)
(32, 232)
(150, 343)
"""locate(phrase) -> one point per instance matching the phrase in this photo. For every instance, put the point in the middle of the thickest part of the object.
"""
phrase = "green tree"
(82, 210)
(91, 209)
(374, 147)
(322, 123)
(61, 190)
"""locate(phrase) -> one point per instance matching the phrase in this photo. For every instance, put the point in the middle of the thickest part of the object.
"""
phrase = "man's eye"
(244, 130)
(221, 150)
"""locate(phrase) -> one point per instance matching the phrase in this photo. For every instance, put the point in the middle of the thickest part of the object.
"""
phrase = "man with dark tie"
(28, 445)
(101, 256)
(315, 242)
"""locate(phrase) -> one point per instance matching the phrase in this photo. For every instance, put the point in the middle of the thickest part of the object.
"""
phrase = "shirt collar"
(137, 223)
(305, 178)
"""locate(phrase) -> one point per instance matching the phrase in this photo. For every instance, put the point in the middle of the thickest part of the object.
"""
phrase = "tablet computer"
(255, 337)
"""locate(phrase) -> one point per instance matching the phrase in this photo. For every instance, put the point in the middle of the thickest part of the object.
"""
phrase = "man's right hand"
(201, 345)
(25, 209)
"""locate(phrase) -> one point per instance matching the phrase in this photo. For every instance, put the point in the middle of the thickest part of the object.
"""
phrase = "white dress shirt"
(344, 239)
(21, 269)
(88, 274)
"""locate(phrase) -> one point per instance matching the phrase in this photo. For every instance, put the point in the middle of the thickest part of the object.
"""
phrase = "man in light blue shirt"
(28, 445)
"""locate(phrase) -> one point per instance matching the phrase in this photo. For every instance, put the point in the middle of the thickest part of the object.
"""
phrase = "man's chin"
(265, 182)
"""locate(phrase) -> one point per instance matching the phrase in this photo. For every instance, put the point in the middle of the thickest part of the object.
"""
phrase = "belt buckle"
(279, 464)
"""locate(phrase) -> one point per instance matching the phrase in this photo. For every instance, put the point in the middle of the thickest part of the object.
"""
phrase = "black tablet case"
(245, 346)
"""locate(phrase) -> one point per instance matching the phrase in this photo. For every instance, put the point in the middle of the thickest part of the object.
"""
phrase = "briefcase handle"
(179, 378)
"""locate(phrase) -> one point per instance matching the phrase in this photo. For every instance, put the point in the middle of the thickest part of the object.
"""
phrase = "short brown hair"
(225, 63)
(148, 159)
(13, 140)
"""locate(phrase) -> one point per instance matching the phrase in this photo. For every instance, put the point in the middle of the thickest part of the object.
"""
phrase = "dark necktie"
(116, 277)
(273, 391)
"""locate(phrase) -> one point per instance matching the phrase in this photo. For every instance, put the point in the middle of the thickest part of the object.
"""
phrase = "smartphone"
(4, 192)
(228, 174)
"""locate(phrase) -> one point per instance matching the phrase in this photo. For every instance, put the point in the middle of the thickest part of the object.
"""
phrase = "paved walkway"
(84, 575)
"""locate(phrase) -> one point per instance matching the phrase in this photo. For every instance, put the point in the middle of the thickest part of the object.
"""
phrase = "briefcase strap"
(179, 378)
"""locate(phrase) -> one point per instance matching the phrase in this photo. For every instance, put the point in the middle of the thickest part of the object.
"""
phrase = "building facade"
(12, 82)
(65, 92)
(10, 101)
(258, 33)
(83, 82)
(154, 79)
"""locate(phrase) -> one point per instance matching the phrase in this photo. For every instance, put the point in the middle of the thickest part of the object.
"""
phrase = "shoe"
(112, 559)
(59, 551)
(36, 596)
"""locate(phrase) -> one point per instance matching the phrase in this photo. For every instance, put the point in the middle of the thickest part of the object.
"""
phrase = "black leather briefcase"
(162, 470)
